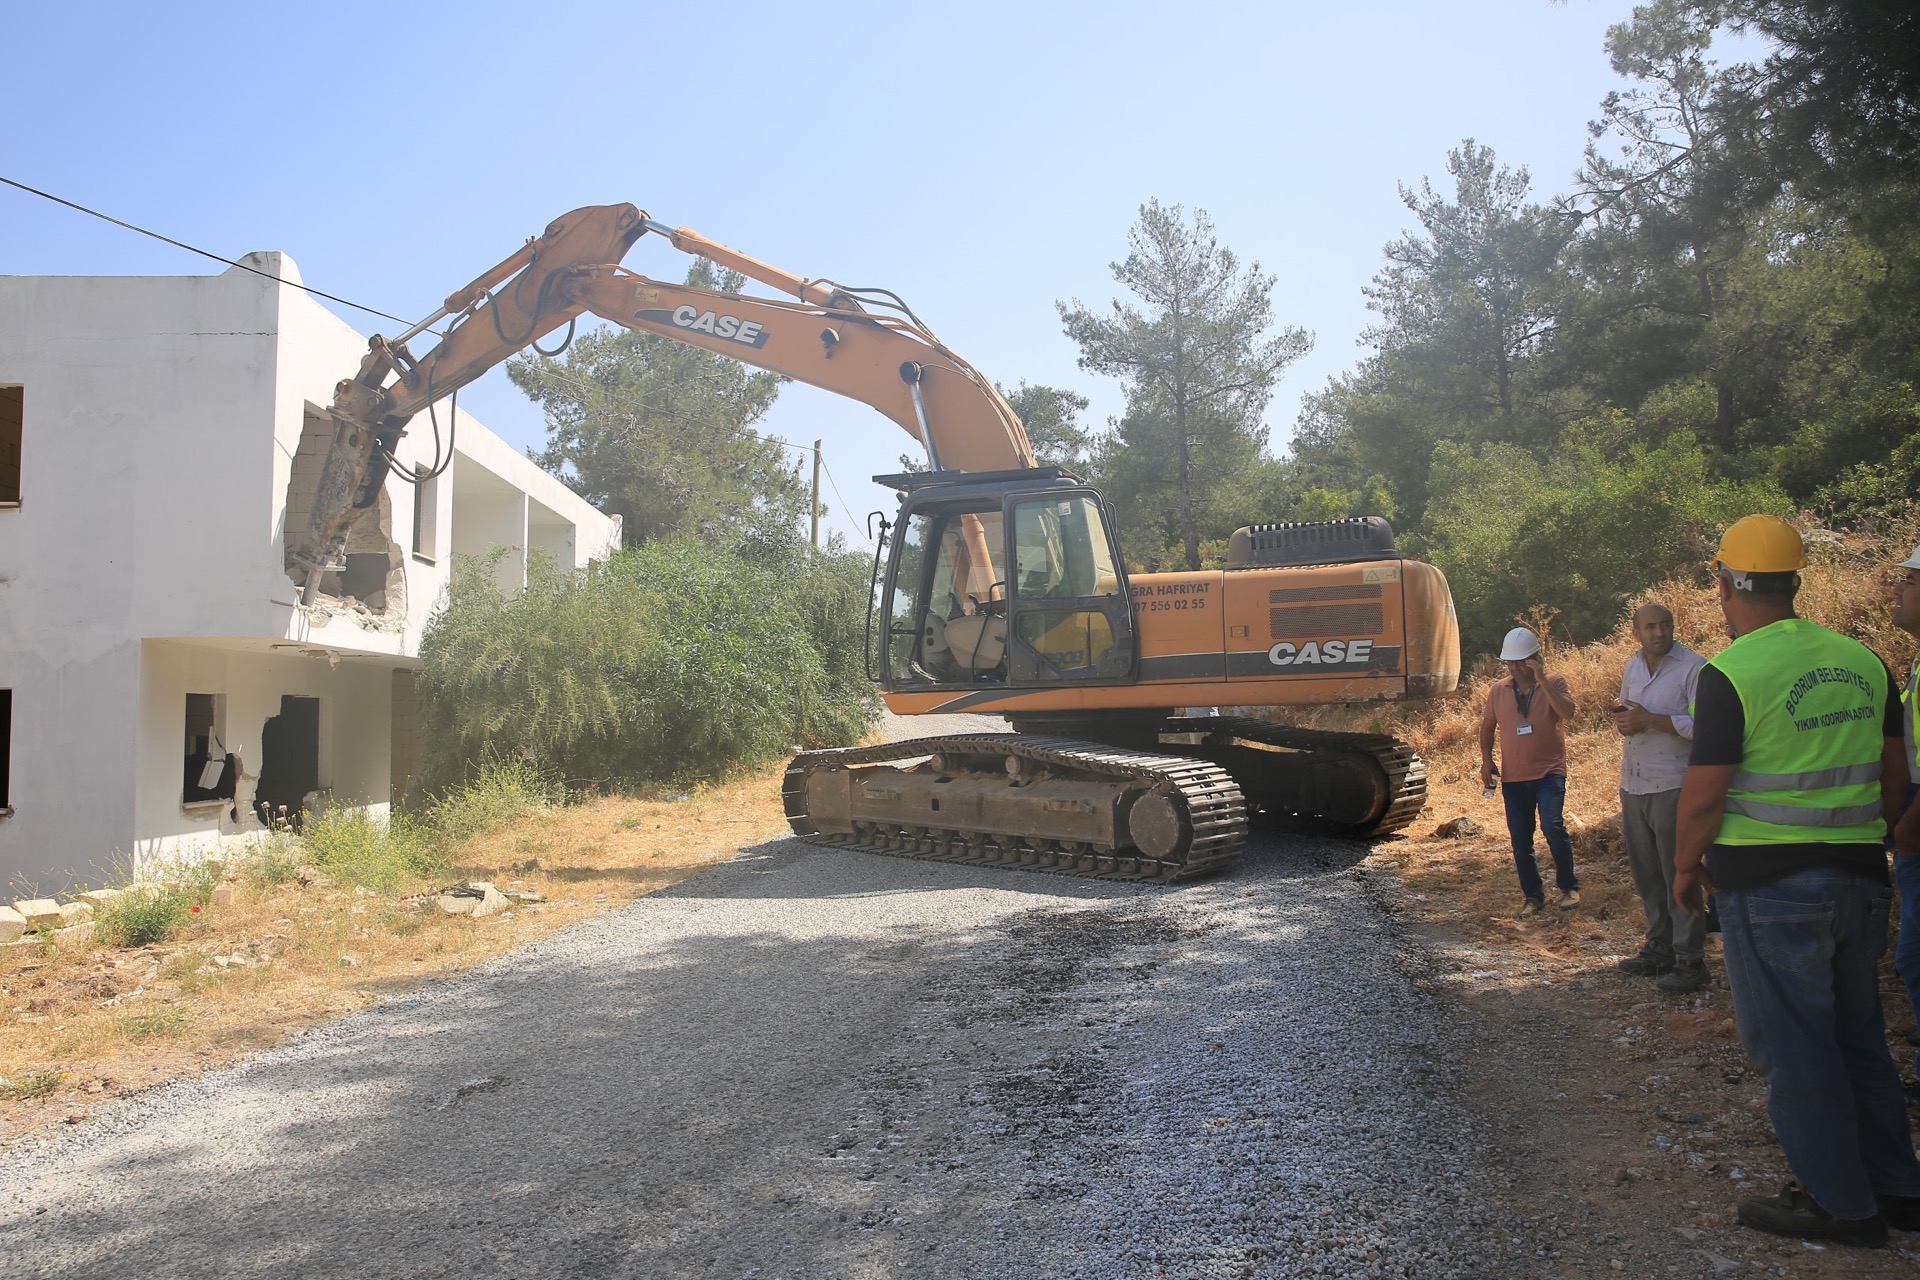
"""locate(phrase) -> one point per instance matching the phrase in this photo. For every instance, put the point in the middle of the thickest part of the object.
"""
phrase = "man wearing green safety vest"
(1797, 753)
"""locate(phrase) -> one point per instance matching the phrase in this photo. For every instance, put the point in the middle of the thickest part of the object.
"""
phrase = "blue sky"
(982, 161)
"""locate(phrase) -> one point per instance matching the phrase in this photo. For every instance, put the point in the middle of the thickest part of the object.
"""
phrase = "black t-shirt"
(1719, 737)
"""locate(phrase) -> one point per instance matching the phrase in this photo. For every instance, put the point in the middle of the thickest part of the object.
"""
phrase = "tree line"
(1566, 396)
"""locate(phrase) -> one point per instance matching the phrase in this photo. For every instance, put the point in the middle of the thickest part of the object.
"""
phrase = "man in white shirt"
(1656, 694)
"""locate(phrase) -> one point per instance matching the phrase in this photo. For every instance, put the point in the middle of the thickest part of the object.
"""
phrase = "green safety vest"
(1912, 704)
(1815, 702)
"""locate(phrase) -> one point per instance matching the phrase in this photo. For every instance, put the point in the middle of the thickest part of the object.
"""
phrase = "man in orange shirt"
(1529, 711)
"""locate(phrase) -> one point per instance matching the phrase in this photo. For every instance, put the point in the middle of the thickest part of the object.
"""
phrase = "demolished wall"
(371, 590)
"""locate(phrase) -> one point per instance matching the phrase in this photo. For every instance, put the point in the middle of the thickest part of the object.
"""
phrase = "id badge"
(1523, 730)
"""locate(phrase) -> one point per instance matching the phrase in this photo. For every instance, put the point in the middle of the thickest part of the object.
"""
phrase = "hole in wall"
(375, 576)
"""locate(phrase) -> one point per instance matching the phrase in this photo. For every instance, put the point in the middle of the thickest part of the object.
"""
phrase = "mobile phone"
(1711, 916)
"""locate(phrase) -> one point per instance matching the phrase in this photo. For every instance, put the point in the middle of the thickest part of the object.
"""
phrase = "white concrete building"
(158, 436)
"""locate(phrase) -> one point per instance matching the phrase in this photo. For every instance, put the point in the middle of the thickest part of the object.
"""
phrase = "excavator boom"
(826, 337)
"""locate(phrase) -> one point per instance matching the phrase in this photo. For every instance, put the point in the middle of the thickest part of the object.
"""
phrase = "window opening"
(289, 761)
(209, 773)
(426, 515)
(6, 747)
(12, 422)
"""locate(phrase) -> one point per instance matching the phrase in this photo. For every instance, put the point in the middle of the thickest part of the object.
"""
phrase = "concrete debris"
(326, 608)
(313, 878)
(1457, 829)
(525, 897)
(98, 897)
(75, 934)
(476, 898)
(72, 913)
(12, 924)
(42, 914)
(222, 896)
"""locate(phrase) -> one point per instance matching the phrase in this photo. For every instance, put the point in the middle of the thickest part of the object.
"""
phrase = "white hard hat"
(1912, 561)
(1520, 643)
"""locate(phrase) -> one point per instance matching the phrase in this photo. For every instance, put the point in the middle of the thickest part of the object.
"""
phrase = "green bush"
(271, 863)
(35, 1084)
(675, 660)
(140, 919)
(500, 791)
(385, 857)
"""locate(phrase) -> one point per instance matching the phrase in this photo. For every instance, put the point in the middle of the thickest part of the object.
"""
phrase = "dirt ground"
(1633, 1120)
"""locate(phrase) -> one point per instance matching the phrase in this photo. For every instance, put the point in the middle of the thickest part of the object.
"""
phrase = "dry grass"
(83, 1024)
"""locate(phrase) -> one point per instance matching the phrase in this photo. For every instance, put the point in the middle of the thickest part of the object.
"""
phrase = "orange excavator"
(1004, 591)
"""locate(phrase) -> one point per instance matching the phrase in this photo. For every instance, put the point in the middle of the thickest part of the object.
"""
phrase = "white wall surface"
(161, 416)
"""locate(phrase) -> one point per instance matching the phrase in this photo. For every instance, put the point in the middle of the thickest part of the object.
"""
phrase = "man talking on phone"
(1654, 716)
(1528, 711)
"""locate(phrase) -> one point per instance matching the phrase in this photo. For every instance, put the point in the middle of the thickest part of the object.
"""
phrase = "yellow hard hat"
(1761, 544)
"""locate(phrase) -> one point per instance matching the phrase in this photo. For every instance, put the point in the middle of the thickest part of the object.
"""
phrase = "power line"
(178, 244)
(844, 505)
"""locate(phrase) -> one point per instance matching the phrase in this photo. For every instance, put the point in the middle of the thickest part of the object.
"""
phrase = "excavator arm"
(883, 361)
(862, 344)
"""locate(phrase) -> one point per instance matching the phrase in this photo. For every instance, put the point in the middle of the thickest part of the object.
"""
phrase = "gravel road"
(812, 1062)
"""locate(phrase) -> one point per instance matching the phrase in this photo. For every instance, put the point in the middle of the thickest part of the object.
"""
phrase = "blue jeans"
(1548, 796)
(1802, 957)
(1906, 956)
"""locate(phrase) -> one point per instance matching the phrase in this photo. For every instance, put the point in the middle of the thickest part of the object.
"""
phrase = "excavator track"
(1015, 800)
(1349, 784)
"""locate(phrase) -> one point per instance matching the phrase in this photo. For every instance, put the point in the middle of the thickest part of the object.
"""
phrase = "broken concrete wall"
(375, 572)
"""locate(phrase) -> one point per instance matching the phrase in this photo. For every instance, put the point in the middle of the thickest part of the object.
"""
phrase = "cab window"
(1061, 550)
(948, 622)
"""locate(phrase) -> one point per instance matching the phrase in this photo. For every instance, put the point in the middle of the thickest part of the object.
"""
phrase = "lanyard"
(1524, 703)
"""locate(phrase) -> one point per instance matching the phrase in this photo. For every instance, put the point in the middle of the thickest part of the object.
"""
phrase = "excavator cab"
(1003, 579)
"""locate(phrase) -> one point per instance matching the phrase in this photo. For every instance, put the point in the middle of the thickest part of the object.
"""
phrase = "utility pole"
(816, 495)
